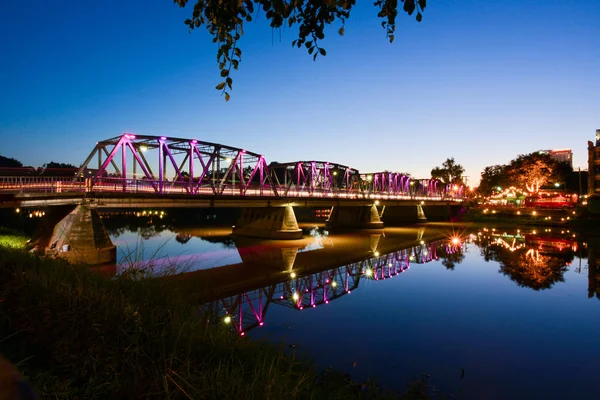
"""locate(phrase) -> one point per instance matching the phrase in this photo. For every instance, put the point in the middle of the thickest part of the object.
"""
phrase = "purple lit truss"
(164, 165)
(170, 165)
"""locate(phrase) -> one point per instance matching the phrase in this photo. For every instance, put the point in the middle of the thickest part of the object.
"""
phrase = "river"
(487, 312)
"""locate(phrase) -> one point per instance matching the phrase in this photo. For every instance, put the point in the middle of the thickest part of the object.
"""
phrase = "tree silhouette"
(449, 172)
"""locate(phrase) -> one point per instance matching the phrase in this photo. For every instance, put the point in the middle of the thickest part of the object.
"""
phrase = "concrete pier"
(355, 217)
(268, 223)
(80, 237)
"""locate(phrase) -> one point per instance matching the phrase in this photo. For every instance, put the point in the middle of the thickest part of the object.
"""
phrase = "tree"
(450, 172)
(6, 162)
(533, 171)
(58, 169)
(224, 20)
(492, 177)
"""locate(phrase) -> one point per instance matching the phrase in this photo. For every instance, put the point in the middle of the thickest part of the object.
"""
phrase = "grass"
(12, 239)
(77, 335)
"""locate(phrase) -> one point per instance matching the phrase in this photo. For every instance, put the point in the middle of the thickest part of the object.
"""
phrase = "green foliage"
(12, 239)
(493, 177)
(77, 335)
(224, 20)
(528, 172)
(449, 172)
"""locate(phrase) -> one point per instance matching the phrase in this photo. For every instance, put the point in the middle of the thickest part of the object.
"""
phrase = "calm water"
(517, 309)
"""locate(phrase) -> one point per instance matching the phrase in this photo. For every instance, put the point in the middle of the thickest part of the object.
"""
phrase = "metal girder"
(184, 166)
(314, 177)
(194, 167)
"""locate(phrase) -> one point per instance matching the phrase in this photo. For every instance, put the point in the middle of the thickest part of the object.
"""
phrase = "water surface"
(517, 310)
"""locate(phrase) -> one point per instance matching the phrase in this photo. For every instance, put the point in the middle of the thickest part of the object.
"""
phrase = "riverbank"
(75, 334)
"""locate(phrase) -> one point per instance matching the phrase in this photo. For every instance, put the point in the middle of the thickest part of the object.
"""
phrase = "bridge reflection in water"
(247, 310)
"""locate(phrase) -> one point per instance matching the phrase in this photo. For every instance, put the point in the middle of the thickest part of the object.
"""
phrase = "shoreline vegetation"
(75, 334)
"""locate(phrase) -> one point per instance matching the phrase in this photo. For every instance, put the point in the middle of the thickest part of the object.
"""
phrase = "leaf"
(419, 17)
(341, 31)
(229, 82)
(391, 38)
(422, 4)
(227, 97)
(310, 50)
(237, 52)
(220, 86)
(322, 51)
(224, 73)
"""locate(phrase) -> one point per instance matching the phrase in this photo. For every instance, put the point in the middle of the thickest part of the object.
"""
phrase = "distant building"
(561, 155)
(594, 165)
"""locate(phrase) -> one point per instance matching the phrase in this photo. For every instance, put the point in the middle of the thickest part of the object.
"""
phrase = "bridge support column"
(268, 223)
(402, 215)
(81, 237)
(355, 217)
(421, 214)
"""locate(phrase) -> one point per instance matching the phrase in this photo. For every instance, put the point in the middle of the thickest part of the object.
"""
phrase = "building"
(561, 155)
(594, 165)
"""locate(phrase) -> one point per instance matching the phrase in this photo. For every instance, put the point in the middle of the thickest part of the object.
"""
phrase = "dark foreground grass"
(77, 335)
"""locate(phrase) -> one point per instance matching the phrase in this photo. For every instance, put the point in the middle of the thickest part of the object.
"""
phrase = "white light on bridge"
(295, 296)
(227, 319)
(292, 275)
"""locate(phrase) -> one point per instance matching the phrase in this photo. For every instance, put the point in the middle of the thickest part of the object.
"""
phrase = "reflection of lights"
(295, 296)
(18, 210)
(227, 319)
(422, 242)
(376, 202)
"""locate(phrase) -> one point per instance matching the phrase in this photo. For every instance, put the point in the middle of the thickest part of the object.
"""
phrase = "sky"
(481, 81)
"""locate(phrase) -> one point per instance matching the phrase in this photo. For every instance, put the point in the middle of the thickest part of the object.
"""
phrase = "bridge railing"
(41, 184)
(21, 184)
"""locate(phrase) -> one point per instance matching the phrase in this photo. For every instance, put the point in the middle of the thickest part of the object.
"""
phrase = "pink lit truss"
(158, 164)
(246, 311)
(171, 165)
(314, 177)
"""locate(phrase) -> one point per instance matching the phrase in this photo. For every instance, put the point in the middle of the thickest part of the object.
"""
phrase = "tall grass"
(78, 335)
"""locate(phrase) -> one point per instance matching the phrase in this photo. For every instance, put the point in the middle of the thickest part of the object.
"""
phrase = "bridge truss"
(142, 163)
(138, 163)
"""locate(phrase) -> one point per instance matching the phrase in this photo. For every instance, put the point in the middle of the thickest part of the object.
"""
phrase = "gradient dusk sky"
(481, 81)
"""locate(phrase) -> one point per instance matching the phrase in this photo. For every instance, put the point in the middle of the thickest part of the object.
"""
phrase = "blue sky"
(481, 81)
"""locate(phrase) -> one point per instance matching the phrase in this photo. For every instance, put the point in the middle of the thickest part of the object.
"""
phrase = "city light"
(227, 319)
